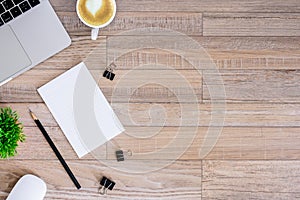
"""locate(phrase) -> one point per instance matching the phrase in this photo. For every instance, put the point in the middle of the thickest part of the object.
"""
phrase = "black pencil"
(58, 155)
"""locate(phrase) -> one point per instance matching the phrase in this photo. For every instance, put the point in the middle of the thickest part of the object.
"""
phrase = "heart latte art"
(96, 12)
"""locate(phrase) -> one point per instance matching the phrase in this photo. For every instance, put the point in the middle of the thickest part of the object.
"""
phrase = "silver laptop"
(30, 32)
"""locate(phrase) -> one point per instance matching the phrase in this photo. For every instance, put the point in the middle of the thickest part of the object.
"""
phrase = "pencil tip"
(32, 114)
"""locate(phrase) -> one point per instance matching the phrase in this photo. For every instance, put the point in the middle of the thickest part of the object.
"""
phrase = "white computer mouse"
(29, 187)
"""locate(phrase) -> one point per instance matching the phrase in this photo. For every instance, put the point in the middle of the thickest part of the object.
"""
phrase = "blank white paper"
(81, 110)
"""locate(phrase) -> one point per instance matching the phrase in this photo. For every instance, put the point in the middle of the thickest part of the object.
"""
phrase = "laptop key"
(17, 1)
(1, 22)
(8, 4)
(2, 10)
(34, 2)
(24, 6)
(6, 17)
(15, 11)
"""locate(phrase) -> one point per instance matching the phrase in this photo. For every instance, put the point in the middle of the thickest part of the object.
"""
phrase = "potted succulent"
(11, 132)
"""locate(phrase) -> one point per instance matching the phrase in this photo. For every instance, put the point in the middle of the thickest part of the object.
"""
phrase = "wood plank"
(236, 114)
(257, 143)
(252, 52)
(89, 173)
(173, 143)
(148, 85)
(210, 5)
(163, 115)
(225, 52)
(165, 86)
(281, 142)
(185, 22)
(251, 24)
(281, 86)
(158, 143)
(194, 5)
(252, 60)
(238, 143)
(170, 142)
(250, 179)
(63, 5)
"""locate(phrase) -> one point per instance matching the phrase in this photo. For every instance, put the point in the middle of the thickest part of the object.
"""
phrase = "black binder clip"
(106, 185)
(108, 73)
(120, 155)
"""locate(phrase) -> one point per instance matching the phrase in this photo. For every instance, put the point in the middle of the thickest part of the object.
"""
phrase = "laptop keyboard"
(10, 9)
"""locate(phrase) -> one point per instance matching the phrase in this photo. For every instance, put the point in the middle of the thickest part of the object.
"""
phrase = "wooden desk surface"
(255, 45)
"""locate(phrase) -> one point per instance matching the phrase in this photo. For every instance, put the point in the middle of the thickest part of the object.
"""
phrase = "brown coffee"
(96, 12)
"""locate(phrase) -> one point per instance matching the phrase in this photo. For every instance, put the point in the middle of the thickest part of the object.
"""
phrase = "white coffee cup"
(93, 7)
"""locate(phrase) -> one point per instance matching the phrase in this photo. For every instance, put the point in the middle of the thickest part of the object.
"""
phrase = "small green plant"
(11, 132)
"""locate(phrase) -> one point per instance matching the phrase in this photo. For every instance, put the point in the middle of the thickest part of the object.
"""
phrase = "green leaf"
(11, 132)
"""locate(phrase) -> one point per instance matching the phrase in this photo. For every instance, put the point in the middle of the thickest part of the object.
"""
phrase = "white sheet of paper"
(81, 109)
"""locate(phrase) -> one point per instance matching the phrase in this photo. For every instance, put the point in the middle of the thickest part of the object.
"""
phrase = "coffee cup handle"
(94, 33)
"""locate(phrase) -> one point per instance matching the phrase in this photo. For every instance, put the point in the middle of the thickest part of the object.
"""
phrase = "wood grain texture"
(251, 179)
(239, 143)
(240, 85)
(148, 85)
(170, 114)
(255, 47)
(187, 23)
(256, 85)
(210, 5)
(226, 52)
(233, 143)
(236, 143)
(193, 6)
(184, 22)
(89, 173)
(236, 114)
(251, 24)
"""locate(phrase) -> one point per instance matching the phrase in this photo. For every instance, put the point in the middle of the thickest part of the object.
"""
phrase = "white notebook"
(81, 109)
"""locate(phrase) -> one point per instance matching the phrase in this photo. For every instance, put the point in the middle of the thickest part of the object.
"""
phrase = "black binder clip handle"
(103, 190)
(106, 185)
